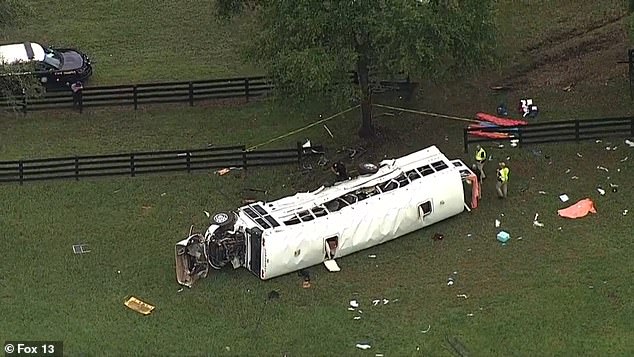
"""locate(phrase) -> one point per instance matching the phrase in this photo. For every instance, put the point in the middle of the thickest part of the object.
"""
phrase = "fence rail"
(558, 131)
(135, 95)
(150, 93)
(139, 163)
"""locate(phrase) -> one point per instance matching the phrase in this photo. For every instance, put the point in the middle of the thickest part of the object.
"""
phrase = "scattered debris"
(625, 212)
(598, 141)
(223, 171)
(602, 168)
(625, 159)
(470, 315)
(80, 248)
(578, 154)
(331, 265)
(372, 256)
(305, 278)
(363, 345)
(357, 318)
(163, 194)
(601, 191)
(428, 328)
(462, 296)
(568, 88)
(207, 214)
(568, 171)
(574, 178)
(354, 303)
(614, 187)
(542, 192)
(564, 198)
(179, 290)
(629, 143)
(503, 236)
(497, 223)
(139, 306)
(450, 282)
(438, 236)
(118, 271)
(519, 238)
(328, 130)
(536, 222)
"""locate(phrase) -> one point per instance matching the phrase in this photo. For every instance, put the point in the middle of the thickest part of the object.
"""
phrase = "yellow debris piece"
(139, 306)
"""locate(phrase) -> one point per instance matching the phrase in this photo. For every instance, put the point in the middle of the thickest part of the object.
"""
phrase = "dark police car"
(53, 66)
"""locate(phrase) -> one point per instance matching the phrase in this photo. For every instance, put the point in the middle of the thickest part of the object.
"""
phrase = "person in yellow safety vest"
(501, 186)
(480, 158)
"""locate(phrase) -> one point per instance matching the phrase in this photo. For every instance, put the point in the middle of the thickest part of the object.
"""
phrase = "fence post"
(465, 140)
(631, 68)
(76, 168)
(577, 130)
(632, 126)
(191, 94)
(188, 158)
(132, 168)
(21, 171)
(519, 136)
(244, 157)
(135, 97)
(246, 88)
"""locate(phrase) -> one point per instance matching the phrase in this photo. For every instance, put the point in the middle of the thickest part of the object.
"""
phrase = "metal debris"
(207, 214)
(372, 256)
(354, 303)
(629, 143)
(542, 192)
(497, 223)
(578, 154)
(462, 296)
(80, 248)
(328, 130)
(357, 318)
(625, 159)
(601, 191)
(428, 328)
(602, 168)
(564, 198)
(568, 171)
(625, 212)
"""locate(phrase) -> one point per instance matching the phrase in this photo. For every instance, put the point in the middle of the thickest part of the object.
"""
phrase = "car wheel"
(368, 168)
(223, 219)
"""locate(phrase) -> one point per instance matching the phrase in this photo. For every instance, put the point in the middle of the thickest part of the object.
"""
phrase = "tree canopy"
(16, 88)
(309, 48)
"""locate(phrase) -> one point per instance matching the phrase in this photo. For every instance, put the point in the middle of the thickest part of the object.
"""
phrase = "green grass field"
(561, 290)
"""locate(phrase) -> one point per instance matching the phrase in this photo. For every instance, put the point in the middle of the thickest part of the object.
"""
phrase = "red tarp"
(487, 134)
(579, 209)
(499, 121)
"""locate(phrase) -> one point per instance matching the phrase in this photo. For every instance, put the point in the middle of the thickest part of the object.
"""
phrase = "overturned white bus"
(275, 238)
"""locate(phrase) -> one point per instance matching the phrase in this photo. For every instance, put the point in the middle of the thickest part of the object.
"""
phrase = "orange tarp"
(579, 209)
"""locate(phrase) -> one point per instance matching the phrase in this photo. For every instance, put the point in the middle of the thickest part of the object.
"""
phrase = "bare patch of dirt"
(577, 57)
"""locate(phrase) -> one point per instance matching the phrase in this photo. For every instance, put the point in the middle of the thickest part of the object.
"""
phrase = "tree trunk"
(367, 129)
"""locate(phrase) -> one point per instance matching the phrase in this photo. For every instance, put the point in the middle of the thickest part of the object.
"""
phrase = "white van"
(296, 232)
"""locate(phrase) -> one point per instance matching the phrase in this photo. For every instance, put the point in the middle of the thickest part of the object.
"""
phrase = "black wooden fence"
(138, 163)
(558, 131)
(139, 94)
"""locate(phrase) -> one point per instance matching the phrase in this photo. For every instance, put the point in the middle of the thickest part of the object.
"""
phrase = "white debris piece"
(601, 191)
(564, 197)
(625, 159)
(574, 178)
(372, 256)
(428, 328)
(538, 224)
(568, 171)
(354, 303)
(598, 141)
(385, 301)
(629, 143)
(462, 296)
(497, 223)
(207, 214)
(375, 302)
(542, 192)
(363, 346)
(351, 309)
(357, 318)
(578, 154)
(625, 212)
(470, 315)
(602, 168)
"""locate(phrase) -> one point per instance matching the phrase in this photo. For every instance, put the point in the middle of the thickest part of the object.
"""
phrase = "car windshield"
(53, 58)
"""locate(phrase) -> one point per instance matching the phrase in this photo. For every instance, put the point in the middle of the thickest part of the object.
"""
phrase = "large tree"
(310, 47)
(15, 86)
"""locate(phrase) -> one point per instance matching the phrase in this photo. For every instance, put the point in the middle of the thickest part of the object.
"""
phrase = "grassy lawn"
(560, 290)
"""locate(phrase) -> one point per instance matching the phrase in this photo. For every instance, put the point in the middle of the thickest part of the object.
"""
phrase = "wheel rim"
(221, 218)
